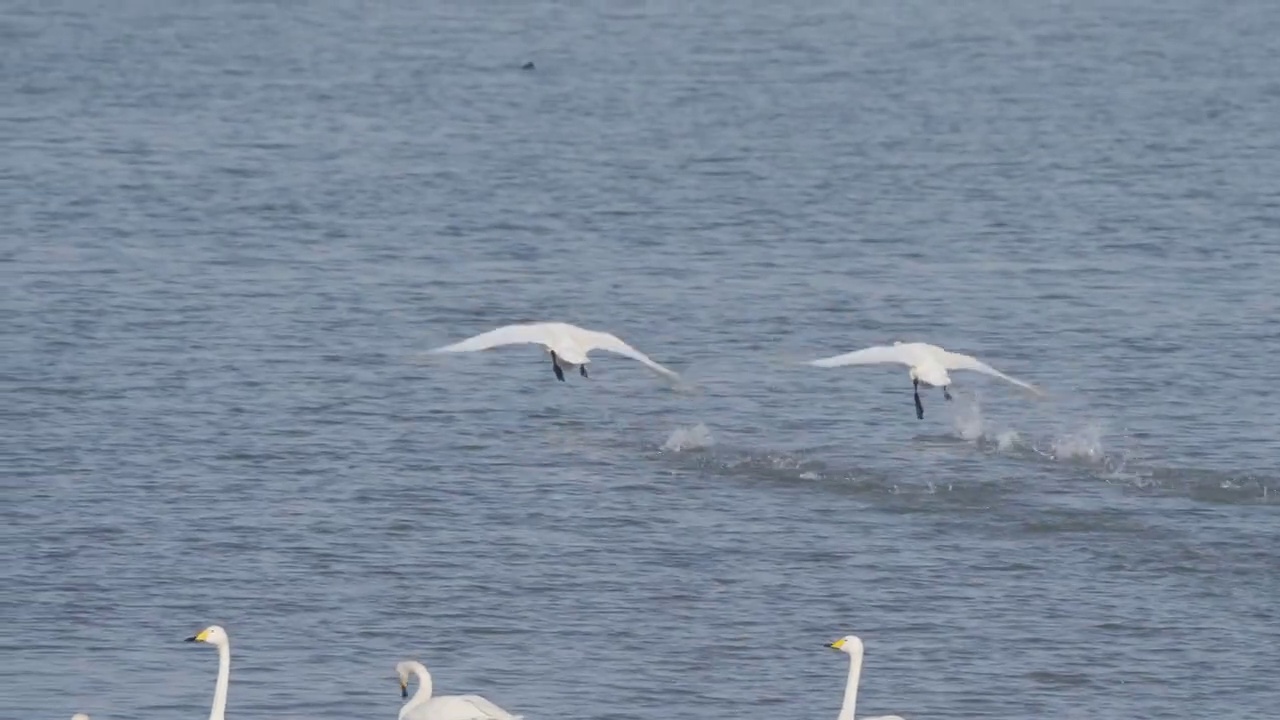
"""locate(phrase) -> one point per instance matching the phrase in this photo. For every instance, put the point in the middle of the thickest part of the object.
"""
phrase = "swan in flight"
(851, 645)
(568, 345)
(216, 636)
(442, 707)
(928, 364)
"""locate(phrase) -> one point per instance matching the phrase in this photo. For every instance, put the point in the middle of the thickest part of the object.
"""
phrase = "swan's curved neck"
(224, 677)
(424, 688)
(851, 688)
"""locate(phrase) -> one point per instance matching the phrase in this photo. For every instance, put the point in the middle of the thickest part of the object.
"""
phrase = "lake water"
(231, 229)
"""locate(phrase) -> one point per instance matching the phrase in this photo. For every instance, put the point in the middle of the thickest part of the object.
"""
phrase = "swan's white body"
(423, 706)
(851, 645)
(568, 344)
(926, 364)
(216, 636)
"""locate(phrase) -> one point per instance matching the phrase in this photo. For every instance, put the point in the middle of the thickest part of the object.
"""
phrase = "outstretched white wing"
(604, 341)
(536, 333)
(901, 354)
(958, 361)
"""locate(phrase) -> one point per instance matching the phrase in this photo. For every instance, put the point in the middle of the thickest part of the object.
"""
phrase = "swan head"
(849, 645)
(404, 669)
(214, 635)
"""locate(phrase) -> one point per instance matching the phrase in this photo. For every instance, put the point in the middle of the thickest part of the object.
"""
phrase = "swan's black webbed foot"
(946, 395)
(915, 392)
(556, 366)
(583, 369)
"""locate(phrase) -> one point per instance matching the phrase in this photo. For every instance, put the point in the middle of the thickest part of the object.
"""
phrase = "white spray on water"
(695, 437)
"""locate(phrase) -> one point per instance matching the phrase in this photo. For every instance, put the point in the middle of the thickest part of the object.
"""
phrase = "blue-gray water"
(230, 229)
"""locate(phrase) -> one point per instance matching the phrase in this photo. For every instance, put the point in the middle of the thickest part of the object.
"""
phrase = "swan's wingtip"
(679, 383)
(426, 356)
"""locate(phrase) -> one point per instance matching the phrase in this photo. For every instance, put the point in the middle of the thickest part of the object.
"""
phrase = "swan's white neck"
(424, 688)
(224, 677)
(851, 688)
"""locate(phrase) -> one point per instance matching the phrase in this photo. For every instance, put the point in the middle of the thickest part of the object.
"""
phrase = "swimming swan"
(928, 364)
(216, 636)
(851, 645)
(568, 345)
(442, 707)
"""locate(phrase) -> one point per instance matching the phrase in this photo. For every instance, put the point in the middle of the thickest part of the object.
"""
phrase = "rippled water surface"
(231, 229)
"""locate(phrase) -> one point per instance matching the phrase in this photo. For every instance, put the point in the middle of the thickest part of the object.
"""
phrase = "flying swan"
(442, 707)
(851, 645)
(216, 636)
(928, 363)
(568, 345)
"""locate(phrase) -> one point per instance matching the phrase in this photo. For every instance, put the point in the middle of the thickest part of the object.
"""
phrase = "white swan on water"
(928, 364)
(568, 345)
(216, 636)
(424, 706)
(851, 645)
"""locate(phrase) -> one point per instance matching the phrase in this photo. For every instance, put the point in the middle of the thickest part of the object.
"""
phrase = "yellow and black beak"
(404, 689)
(198, 637)
(836, 645)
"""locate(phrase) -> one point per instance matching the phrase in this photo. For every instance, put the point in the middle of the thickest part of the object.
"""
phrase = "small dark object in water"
(527, 66)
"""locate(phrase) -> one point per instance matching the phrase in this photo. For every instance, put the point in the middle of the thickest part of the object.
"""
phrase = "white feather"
(570, 343)
(928, 362)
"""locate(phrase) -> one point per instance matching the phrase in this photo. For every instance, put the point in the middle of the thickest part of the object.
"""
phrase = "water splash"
(1007, 440)
(968, 421)
(972, 426)
(1082, 445)
(695, 437)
